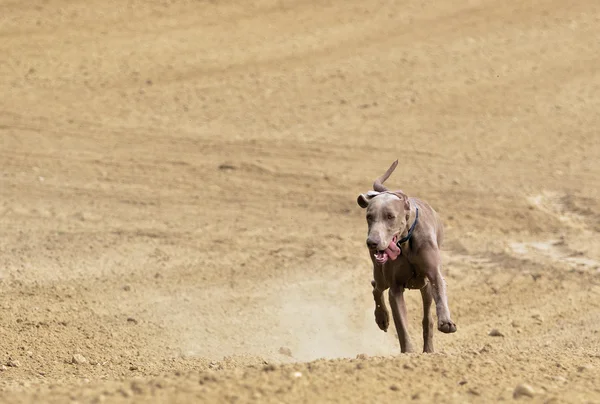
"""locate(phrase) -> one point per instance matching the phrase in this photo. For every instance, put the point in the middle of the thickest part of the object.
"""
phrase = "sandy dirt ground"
(178, 183)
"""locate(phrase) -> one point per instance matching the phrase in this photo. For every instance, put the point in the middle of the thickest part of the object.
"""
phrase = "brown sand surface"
(178, 184)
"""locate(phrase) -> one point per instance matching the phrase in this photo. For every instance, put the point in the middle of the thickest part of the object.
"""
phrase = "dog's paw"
(447, 327)
(382, 318)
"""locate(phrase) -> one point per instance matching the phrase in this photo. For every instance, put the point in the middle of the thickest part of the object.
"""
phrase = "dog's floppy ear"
(403, 197)
(363, 199)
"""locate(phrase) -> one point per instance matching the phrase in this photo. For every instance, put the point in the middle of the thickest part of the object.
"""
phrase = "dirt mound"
(178, 213)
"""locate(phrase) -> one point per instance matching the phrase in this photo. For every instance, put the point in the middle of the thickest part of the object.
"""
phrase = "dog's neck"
(411, 223)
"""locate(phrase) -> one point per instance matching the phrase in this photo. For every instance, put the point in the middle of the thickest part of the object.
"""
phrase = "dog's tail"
(378, 184)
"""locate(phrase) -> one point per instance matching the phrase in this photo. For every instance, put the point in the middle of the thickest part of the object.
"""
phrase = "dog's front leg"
(430, 264)
(438, 285)
(400, 317)
(382, 317)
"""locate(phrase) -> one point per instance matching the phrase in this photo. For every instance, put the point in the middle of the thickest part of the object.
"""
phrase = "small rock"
(133, 367)
(132, 320)
(126, 288)
(226, 166)
(407, 366)
(78, 359)
(523, 389)
(462, 382)
(285, 351)
(269, 368)
(474, 392)
(393, 387)
(495, 333)
(515, 324)
(487, 348)
(13, 363)
(124, 392)
(538, 318)
(362, 356)
(137, 387)
(585, 367)
(3, 368)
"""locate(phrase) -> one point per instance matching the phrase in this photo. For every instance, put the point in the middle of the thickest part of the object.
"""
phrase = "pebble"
(362, 356)
(487, 348)
(538, 318)
(3, 368)
(495, 333)
(474, 392)
(285, 351)
(227, 166)
(137, 387)
(269, 368)
(523, 389)
(125, 392)
(393, 387)
(13, 363)
(78, 359)
(583, 368)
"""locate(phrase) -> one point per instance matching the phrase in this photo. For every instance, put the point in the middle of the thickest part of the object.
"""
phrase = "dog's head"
(387, 215)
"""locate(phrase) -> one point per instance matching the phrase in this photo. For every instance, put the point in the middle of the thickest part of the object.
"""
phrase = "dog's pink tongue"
(393, 251)
(381, 257)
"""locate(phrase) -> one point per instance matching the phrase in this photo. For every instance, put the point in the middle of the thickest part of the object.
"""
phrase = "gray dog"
(405, 235)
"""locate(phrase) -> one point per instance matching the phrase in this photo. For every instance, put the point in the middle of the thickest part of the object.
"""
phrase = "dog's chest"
(403, 273)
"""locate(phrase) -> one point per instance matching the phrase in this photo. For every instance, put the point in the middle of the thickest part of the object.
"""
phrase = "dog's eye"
(391, 217)
(369, 218)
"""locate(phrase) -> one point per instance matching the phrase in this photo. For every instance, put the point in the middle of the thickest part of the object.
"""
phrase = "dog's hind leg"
(400, 317)
(427, 296)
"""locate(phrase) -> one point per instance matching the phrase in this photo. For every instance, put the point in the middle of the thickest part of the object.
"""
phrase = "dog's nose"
(372, 243)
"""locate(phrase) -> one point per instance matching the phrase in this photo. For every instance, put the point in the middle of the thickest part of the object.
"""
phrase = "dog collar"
(410, 231)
